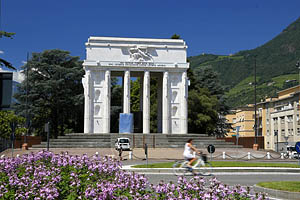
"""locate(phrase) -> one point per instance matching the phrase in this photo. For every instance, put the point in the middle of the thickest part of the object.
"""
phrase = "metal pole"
(255, 123)
(277, 141)
(27, 120)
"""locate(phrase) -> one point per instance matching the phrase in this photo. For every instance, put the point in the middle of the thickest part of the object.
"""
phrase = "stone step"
(81, 140)
(69, 146)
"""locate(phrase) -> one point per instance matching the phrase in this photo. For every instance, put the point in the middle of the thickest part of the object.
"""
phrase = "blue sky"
(215, 26)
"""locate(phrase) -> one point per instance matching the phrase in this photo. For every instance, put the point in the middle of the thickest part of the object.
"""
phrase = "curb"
(218, 169)
(277, 193)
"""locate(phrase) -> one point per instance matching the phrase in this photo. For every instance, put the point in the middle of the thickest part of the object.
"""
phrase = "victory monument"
(165, 59)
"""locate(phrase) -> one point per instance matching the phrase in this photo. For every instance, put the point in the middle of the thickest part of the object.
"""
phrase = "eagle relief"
(138, 54)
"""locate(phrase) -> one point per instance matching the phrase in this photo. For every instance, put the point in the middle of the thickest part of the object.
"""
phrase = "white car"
(291, 152)
(122, 143)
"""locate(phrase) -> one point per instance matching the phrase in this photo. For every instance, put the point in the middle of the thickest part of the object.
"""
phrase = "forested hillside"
(275, 65)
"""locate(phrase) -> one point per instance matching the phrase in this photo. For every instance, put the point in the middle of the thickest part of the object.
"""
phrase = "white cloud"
(24, 62)
(1, 52)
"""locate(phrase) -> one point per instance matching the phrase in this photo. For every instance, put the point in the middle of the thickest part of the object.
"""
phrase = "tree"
(206, 103)
(55, 92)
(175, 36)
(6, 119)
(2, 61)
(116, 105)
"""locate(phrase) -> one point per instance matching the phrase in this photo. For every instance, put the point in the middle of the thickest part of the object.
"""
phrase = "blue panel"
(126, 123)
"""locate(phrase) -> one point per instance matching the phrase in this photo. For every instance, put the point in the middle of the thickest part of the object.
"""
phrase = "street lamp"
(25, 145)
(276, 134)
(255, 145)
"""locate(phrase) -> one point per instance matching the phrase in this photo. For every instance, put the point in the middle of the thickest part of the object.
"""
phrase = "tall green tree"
(55, 92)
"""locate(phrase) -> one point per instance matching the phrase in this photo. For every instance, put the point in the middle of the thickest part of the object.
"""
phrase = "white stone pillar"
(88, 102)
(146, 103)
(126, 101)
(184, 103)
(106, 114)
(166, 105)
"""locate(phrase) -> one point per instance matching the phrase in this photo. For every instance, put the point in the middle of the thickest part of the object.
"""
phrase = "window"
(298, 131)
(267, 121)
(268, 132)
(290, 118)
(282, 132)
(234, 120)
(282, 120)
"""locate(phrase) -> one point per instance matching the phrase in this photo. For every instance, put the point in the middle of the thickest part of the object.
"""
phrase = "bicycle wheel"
(205, 170)
(178, 168)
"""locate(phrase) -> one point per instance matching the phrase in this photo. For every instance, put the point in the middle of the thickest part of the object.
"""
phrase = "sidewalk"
(139, 153)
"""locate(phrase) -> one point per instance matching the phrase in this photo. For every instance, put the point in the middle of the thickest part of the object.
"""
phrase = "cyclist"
(188, 153)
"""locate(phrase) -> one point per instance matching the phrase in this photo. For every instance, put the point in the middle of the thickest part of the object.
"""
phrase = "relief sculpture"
(140, 54)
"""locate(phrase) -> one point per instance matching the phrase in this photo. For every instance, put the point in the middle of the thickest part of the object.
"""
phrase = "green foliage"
(135, 95)
(6, 119)
(116, 105)
(3, 62)
(175, 36)
(276, 58)
(55, 92)
(6, 34)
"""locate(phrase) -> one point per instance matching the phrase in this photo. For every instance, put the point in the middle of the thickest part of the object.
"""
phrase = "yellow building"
(244, 118)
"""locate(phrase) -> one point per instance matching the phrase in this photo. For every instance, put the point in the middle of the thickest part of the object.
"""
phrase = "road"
(242, 178)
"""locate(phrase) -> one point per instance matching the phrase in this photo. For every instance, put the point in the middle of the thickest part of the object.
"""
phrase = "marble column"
(146, 103)
(184, 103)
(166, 105)
(106, 114)
(126, 96)
(88, 103)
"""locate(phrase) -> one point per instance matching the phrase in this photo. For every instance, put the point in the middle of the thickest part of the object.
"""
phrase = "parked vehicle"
(291, 152)
(122, 143)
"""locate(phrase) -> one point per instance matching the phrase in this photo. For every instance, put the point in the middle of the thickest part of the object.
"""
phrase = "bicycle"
(201, 167)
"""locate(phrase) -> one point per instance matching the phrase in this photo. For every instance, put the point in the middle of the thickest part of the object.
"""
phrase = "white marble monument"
(164, 59)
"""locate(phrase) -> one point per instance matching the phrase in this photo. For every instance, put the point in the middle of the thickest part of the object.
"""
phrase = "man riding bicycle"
(188, 153)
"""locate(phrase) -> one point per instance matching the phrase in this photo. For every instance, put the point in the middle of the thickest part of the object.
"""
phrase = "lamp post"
(25, 145)
(276, 134)
(255, 145)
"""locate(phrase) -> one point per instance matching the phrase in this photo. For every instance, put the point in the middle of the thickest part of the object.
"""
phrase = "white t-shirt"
(188, 151)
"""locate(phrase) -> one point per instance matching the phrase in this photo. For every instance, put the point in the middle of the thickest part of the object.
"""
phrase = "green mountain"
(275, 67)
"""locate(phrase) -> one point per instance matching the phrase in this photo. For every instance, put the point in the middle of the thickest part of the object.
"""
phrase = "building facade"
(244, 118)
(280, 119)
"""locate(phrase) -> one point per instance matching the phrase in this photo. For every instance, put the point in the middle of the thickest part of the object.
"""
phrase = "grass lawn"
(223, 164)
(291, 186)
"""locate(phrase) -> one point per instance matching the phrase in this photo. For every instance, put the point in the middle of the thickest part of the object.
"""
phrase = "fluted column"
(166, 104)
(146, 103)
(184, 103)
(126, 100)
(106, 116)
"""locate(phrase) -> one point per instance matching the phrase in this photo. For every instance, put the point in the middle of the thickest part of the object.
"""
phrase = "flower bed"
(45, 175)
